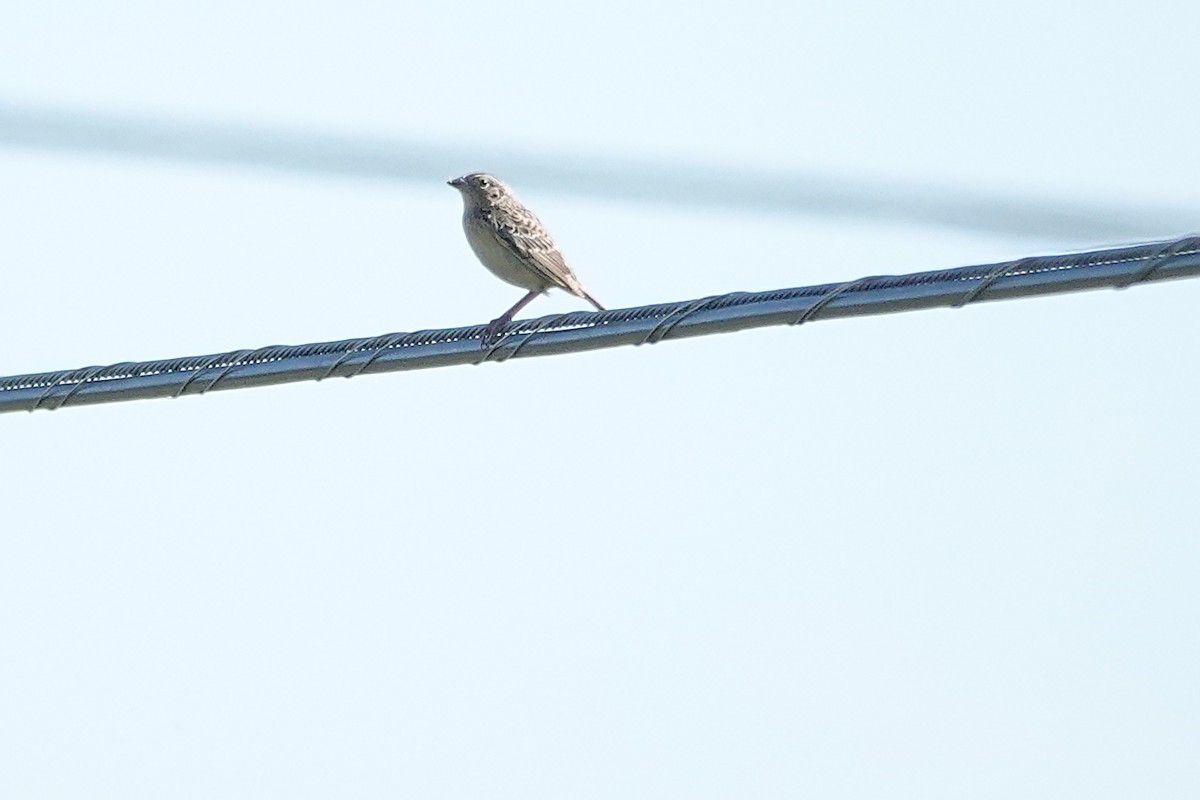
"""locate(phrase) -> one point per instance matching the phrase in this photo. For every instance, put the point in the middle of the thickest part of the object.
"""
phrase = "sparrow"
(513, 244)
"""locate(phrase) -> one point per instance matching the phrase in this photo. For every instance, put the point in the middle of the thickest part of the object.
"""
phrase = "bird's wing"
(523, 234)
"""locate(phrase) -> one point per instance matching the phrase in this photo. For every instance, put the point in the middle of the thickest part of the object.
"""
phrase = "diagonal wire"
(781, 191)
(586, 330)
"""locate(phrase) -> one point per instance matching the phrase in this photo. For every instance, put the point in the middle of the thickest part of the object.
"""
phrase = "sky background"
(940, 554)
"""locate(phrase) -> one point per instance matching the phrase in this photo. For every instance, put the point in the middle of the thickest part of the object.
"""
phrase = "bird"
(513, 244)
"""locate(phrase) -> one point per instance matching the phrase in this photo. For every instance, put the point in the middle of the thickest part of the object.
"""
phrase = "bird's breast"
(499, 259)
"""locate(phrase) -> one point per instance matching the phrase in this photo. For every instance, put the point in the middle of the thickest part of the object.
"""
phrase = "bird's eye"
(484, 182)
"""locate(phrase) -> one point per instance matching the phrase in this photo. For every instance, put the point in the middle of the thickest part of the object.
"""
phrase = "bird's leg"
(495, 326)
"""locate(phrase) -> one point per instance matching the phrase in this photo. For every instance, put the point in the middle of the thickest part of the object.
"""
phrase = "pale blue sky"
(940, 554)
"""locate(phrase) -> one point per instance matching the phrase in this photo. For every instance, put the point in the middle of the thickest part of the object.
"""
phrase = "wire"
(585, 330)
(781, 191)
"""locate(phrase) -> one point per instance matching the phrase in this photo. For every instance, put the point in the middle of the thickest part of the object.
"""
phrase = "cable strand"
(586, 330)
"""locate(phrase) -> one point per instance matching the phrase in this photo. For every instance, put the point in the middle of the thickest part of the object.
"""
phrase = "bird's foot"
(495, 331)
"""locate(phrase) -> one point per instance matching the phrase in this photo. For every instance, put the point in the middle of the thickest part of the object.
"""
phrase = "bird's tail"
(583, 293)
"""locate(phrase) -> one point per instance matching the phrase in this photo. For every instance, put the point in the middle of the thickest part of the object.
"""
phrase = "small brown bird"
(512, 243)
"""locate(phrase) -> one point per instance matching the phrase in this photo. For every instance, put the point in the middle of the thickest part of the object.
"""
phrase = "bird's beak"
(456, 183)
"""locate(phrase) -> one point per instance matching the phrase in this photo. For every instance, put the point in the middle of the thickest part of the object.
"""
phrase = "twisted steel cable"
(584, 330)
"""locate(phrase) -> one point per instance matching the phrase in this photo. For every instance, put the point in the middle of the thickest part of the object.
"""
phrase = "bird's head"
(480, 187)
